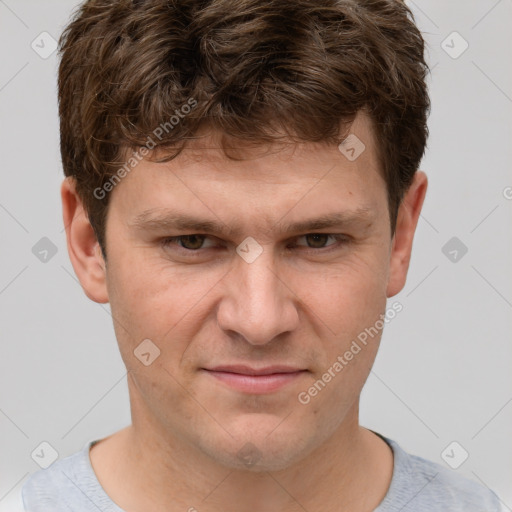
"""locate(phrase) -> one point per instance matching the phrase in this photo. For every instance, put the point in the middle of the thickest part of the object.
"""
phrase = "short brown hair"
(254, 68)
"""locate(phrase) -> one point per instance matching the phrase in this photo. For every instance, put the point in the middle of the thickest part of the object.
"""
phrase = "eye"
(194, 243)
(319, 240)
(189, 242)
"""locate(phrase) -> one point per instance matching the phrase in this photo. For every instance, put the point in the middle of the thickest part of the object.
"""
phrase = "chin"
(268, 447)
(252, 459)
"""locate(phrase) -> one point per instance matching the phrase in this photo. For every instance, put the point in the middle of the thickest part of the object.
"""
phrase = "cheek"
(345, 305)
(153, 300)
(348, 317)
(168, 308)
(347, 297)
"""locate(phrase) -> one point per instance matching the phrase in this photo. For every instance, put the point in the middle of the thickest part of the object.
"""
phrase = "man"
(242, 188)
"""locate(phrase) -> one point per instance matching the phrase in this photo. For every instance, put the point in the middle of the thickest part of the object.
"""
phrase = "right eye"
(191, 243)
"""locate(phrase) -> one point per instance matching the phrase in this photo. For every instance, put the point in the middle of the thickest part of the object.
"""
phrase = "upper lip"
(248, 370)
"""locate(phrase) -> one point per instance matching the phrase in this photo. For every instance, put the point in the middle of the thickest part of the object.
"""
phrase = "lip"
(255, 381)
(248, 370)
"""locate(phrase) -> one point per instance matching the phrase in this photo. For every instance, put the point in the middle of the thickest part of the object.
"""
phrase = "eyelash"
(340, 239)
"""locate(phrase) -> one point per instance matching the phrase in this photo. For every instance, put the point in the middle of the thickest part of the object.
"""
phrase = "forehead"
(228, 152)
(264, 181)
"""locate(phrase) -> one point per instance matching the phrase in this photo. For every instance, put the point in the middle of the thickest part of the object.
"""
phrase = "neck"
(145, 468)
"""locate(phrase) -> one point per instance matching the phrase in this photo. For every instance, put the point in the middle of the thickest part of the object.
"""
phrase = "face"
(314, 274)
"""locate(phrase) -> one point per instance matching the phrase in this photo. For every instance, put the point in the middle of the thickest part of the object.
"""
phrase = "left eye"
(318, 240)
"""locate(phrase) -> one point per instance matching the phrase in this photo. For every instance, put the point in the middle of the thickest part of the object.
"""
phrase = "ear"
(83, 247)
(407, 220)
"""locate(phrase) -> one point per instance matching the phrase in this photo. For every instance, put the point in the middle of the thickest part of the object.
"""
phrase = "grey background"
(443, 372)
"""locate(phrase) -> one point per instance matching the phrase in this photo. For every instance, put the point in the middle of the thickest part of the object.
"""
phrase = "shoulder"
(69, 484)
(53, 487)
(421, 485)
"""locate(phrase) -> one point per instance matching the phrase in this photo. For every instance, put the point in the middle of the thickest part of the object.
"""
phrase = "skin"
(301, 302)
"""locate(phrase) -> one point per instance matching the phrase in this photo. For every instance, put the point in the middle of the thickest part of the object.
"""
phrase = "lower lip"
(256, 383)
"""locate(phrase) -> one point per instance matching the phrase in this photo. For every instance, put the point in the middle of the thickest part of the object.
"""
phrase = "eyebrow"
(169, 220)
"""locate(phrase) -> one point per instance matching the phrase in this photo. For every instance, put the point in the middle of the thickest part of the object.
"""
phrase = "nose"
(258, 304)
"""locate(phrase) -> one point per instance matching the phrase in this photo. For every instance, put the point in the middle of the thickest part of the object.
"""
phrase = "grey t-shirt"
(417, 485)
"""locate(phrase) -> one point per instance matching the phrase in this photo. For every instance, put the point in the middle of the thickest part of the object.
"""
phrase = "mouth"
(255, 380)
